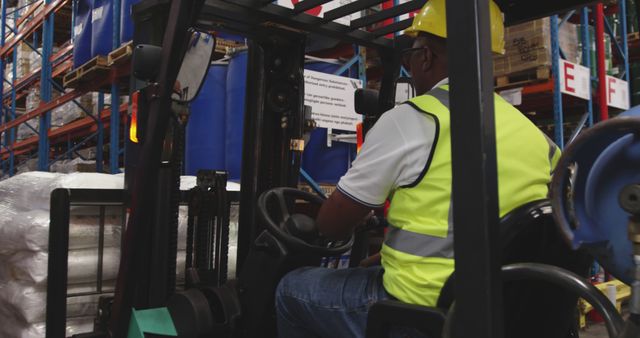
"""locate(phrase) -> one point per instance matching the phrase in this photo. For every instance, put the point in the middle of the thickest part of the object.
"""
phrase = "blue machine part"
(101, 27)
(82, 33)
(205, 139)
(586, 185)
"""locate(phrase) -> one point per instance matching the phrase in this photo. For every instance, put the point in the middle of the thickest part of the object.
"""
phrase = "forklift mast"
(274, 123)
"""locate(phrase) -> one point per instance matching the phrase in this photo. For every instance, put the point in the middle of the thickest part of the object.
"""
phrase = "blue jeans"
(327, 303)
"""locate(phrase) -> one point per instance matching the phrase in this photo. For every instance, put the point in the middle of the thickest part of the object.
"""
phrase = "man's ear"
(427, 59)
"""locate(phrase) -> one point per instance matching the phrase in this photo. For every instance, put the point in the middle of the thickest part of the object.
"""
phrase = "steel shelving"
(38, 23)
(563, 115)
(599, 83)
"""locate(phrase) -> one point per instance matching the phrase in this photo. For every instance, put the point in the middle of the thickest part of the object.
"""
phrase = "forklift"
(173, 48)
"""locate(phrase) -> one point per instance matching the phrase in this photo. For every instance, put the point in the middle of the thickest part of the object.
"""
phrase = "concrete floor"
(594, 331)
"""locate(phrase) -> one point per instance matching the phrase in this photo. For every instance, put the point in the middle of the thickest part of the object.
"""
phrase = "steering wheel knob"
(302, 226)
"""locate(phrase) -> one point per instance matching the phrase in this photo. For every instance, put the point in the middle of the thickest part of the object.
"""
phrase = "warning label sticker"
(331, 100)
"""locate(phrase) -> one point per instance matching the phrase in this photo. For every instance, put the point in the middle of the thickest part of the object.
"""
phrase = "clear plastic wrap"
(16, 193)
(24, 302)
(32, 267)
(30, 231)
(74, 326)
(32, 190)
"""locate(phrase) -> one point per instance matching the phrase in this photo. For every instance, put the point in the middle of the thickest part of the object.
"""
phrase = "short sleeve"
(394, 154)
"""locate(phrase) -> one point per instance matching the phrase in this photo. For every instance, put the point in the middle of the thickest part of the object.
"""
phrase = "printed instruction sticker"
(331, 100)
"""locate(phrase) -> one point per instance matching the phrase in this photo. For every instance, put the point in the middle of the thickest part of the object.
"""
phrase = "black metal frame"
(208, 230)
(474, 168)
(473, 137)
(61, 202)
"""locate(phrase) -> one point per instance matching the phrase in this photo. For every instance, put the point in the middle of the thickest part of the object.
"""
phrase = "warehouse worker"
(406, 158)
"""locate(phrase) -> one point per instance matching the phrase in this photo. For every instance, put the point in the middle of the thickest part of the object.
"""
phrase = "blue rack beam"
(624, 38)
(114, 140)
(557, 94)
(3, 22)
(586, 55)
(45, 90)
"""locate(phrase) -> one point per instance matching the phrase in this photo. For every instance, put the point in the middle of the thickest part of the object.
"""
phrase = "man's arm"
(394, 154)
(339, 214)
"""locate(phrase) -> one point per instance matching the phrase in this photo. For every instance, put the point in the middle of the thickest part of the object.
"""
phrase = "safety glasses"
(406, 54)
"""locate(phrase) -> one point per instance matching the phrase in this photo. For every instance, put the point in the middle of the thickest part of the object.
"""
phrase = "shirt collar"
(441, 83)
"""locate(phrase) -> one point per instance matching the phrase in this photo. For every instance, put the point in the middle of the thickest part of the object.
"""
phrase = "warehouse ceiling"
(518, 11)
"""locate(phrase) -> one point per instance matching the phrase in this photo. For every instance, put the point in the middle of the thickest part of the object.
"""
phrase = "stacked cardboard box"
(528, 46)
(24, 59)
(31, 127)
(71, 111)
(8, 76)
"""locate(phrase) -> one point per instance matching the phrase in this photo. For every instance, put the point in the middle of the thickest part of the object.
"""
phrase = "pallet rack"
(39, 21)
(542, 96)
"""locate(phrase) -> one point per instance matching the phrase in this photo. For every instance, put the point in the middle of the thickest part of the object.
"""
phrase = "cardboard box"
(528, 46)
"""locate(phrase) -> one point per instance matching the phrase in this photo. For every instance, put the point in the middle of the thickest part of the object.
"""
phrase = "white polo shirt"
(394, 154)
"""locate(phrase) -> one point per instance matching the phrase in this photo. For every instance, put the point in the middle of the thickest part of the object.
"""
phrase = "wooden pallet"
(121, 54)
(87, 72)
(541, 73)
(222, 45)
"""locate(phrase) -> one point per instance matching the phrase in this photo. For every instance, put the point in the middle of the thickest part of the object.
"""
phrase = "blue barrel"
(205, 139)
(126, 22)
(82, 33)
(230, 37)
(326, 164)
(101, 28)
(323, 67)
(236, 88)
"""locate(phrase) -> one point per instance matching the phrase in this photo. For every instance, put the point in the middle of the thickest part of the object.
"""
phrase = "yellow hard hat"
(433, 19)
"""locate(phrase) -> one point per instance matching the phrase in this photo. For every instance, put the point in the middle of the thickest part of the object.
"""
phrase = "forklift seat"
(531, 308)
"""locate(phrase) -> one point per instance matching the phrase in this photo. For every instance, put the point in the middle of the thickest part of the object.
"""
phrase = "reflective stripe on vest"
(418, 244)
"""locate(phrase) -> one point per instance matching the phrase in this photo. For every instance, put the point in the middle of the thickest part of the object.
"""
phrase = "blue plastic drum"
(101, 28)
(236, 88)
(126, 22)
(205, 139)
(82, 33)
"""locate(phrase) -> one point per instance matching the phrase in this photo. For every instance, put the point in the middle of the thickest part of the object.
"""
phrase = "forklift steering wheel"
(298, 231)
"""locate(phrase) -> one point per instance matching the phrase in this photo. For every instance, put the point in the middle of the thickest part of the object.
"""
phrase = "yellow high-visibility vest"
(417, 254)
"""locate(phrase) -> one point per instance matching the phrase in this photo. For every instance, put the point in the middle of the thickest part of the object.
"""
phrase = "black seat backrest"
(534, 308)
